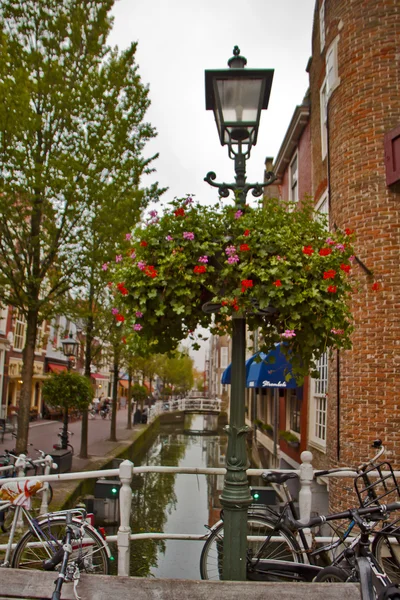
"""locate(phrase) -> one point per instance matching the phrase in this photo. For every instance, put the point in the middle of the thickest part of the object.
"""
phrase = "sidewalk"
(43, 434)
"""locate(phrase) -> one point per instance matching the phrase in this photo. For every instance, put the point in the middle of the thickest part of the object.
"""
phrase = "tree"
(71, 137)
(67, 390)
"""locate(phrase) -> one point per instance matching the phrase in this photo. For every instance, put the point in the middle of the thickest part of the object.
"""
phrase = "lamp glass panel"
(240, 99)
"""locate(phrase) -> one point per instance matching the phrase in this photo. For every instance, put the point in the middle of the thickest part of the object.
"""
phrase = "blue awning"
(270, 371)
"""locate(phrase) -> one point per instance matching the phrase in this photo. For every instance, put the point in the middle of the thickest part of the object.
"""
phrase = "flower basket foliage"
(275, 264)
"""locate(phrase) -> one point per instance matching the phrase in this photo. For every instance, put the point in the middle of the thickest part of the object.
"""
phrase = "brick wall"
(364, 106)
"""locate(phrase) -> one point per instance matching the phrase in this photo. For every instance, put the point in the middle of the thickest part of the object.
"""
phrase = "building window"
(294, 188)
(331, 67)
(294, 410)
(3, 319)
(319, 403)
(323, 99)
(19, 330)
(224, 357)
(322, 208)
(322, 25)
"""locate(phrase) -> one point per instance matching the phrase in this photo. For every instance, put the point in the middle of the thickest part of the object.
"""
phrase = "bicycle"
(20, 466)
(62, 444)
(274, 553)
(42, 545)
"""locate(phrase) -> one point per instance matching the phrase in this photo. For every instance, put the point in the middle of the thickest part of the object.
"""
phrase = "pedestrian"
(137, 417)
(96, 404)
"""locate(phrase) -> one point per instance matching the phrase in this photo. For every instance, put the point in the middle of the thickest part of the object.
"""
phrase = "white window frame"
(294, 178)
(224, 357)
(3, 319)
(19, 331)
(322, 26)
(291, 394)
(331, 67)
(323, 103)
(323, 205)
(319, 405)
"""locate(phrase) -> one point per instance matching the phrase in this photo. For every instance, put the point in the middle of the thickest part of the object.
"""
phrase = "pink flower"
(352, 258)
(329, 241)
(114, 311)
(137, 327)
(142, 265)
(138, 314)
(233, 259)
(288, 333)
(340, 247)
(337, 331)
(238, 214)
(105, 266)
(169, 238)
(188, 235)
(153, 213)
(128, 236)
(188, 200)
(118, 258)
(230, 250)
(133, 254)
(203, 259)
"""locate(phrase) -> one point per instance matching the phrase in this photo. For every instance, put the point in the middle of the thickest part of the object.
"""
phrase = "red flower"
(345, 268)
(329, 274)
(122, 289)
(150, 271)
(235, 307)
(325, 251)
(120, 318)
(332, 289)
(224, 303)
(179, 212)
(375, 286)
(247, 232)
(308, 250)
(277, 283)
(143, 243)
(199, 269)
(124, 340)
(246, 283)
(348, 231)
(244, 247)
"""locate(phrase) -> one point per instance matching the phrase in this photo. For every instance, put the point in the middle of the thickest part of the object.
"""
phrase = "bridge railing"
(126, 471)
(200, 404)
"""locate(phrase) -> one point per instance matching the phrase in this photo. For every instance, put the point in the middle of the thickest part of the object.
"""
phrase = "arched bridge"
(197, 405)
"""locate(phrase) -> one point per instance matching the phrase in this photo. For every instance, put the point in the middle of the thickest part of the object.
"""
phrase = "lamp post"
(70, 350)
(237, 96)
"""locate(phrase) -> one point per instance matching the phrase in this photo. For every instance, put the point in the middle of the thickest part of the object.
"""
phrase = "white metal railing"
(126, 471)
(201, 404)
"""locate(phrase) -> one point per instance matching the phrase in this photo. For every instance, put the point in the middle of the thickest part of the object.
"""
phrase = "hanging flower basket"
(276, 265)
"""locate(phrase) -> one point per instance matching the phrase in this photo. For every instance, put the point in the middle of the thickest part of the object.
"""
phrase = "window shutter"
(392, 156)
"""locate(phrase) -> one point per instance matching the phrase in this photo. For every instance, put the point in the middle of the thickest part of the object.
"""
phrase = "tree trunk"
(129, 423)
(83, 453)
(64, 433)
(28, 357)
(113, 429)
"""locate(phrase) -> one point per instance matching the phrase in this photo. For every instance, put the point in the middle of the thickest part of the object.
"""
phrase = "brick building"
(343, 148)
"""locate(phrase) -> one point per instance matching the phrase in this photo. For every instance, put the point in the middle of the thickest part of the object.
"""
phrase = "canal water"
(175, 503)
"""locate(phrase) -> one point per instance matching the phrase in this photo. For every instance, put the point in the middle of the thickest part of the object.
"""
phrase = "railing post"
(48, 463)
(306, 477)
(20, 465)
(125, 503)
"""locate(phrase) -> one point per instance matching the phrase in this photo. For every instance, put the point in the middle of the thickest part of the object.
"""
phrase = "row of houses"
(48, 358)
(342, 147)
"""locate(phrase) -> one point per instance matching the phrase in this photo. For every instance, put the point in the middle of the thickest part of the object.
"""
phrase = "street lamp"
(70, 350)
(237, 96)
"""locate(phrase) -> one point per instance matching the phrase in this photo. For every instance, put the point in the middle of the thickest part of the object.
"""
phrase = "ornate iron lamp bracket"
(225, 188)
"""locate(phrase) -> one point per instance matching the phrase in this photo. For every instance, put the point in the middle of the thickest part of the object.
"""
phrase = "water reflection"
(175, 503)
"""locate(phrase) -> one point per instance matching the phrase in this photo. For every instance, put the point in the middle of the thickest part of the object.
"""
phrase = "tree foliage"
(68, 390)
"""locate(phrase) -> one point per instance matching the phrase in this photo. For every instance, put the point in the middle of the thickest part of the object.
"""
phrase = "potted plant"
(269, 430)
(290, 438)
(276, 264)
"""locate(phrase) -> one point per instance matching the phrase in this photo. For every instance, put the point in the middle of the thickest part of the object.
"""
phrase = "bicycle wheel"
(37, 546)
(6, 519)
(386, 550)
(332, 575)
(286, 548)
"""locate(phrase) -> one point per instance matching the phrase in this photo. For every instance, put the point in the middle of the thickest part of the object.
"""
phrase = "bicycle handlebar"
(347, 514)
(358, 469)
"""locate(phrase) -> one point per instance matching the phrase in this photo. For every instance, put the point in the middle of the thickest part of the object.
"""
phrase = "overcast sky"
(177, 41)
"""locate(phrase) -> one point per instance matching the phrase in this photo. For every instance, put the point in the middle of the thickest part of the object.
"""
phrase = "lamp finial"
(237, 61)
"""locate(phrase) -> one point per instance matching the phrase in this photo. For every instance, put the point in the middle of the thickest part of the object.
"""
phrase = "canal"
(175, 503)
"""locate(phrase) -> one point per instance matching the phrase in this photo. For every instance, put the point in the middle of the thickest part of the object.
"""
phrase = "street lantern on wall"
(237, 96)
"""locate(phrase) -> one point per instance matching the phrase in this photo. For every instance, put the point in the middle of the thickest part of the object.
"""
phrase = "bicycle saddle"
(276, 477)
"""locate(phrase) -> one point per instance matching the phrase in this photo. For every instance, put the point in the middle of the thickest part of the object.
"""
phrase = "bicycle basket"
(377, 484)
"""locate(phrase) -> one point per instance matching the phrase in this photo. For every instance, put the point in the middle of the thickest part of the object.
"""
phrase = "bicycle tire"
(91, 556)
(332, 575)
(6, 519)
(388, 555)
(288, 549)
